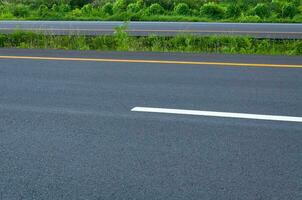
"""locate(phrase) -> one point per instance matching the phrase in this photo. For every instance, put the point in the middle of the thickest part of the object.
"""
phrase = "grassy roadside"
(121, 41)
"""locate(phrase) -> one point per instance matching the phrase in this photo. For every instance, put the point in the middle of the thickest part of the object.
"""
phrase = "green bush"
(212, 10)
(166, 4)
(122, 39)
(233, 10)
(250, 18)
(182, 9)
(276, 6)
(262, 10)
(297, 18)
(43, 11)
(2, 9)
(119, 6)
(296, 2)
(156, 9)
(64, 8)
(20, 10)
(77, 3)
(76, 13)
(108, 8)
(55, 8)
(2, 40)
(59, 9)
(133, 8)
(298, 48)
(87, 9)
(289, 10)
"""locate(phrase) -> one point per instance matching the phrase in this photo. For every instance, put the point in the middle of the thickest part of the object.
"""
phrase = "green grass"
(120, 41)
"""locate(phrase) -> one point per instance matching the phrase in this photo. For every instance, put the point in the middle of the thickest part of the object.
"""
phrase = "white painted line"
(218, 114)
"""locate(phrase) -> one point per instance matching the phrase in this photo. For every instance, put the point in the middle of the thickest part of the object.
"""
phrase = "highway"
(258, 30)
(116, 125)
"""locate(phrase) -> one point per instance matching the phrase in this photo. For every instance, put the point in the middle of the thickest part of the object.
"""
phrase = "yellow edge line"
(153, 61)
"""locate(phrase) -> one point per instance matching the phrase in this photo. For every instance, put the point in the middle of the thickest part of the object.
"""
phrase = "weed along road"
(104, 125)
(258, 30)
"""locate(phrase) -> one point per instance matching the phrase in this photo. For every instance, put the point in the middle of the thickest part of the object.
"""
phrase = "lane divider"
(155, 61)
(218, 114)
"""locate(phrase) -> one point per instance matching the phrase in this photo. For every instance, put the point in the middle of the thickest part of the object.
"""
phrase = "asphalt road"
(259, 30)
(67, 130)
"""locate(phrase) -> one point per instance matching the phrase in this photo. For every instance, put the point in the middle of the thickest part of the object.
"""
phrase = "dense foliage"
(181, 43)
(156, 10)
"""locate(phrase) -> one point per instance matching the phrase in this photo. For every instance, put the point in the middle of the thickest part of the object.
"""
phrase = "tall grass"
(121, 41)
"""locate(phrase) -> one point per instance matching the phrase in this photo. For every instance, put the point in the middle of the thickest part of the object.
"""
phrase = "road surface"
(72, 126)
(258, 30)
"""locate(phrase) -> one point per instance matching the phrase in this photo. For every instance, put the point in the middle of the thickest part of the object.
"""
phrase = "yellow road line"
(154, 61)
(146, 30)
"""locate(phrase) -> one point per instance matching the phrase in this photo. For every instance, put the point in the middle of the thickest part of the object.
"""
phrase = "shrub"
(182, 9)
(297, 2)
(2, 40)
(156, 9)
(119, 6)
(298, 18)
(212, 10)
(276, 6)
(79, 3)
(133, 8)
(262, 10)
(122, 38)
(250, 18)
(298, 48)
(2, 8)
(166, 4)
(64, 8)
(289, 10)
(233, 10)
(108, 8)
(55, 8)
(76, 12)
(87, 9)
(262, 46)
(20, 10)
(59, 8)
(43, 11)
